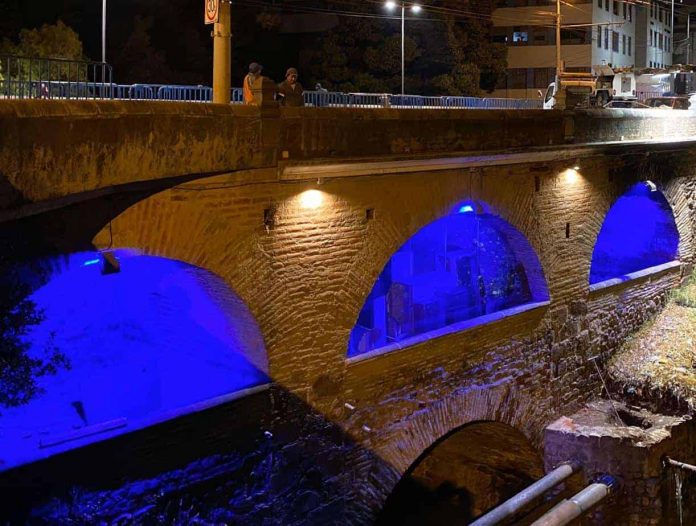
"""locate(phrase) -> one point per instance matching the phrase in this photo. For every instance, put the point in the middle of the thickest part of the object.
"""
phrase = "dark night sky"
(177, 32)
(85, 16)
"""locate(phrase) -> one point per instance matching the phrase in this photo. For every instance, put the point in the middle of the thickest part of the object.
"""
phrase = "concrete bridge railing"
(59, 149)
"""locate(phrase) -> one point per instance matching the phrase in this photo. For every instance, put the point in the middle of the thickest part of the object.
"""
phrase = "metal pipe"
(570, 509)
(527, 495)
(680, 465)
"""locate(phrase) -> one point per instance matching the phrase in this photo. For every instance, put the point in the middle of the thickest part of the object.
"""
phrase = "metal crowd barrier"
(31, 78)
(385, 100)
(46, 78)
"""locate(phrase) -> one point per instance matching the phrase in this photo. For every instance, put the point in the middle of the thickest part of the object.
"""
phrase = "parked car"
(623, 104)
(669, 103)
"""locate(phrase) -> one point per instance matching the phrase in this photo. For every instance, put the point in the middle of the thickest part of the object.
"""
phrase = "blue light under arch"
(460, 267)
(154, 341)
(638, 232)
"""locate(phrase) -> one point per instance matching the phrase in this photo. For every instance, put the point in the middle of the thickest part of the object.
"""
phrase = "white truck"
(597, 88)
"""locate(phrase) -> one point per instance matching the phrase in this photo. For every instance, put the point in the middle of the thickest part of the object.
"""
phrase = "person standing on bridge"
(291, 91)
(255, 70)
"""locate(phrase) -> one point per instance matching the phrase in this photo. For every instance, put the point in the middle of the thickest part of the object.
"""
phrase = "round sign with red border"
(212, 11)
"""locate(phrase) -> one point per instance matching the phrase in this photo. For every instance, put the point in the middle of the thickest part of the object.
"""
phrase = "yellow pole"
(222, 55)
(559, 61)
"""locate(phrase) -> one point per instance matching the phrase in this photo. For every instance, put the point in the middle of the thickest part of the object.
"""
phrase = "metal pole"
(103, 30)
(568, 510)
(222, 55)
(680, 465)
(403, 60)
(671, 35)
(559, 64)
(527, 495)
(688, 37)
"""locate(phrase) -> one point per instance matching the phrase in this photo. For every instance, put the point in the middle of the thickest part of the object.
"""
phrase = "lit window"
(520, 37)
(461, 267)
(638, 232)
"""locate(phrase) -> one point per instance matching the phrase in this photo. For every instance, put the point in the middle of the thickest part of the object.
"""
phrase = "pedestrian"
(290, 91)
(255, 70)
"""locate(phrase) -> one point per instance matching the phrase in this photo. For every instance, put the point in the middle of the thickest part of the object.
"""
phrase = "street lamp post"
(103, 30)
(415, 8)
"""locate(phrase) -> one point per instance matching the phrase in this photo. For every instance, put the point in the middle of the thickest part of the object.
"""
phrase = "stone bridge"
(293, 216)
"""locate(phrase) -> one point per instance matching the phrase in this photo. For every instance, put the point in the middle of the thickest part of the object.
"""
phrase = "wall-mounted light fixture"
(571, 175)
(466, 209)
(269, 217)
(311, 199)
(109, 262)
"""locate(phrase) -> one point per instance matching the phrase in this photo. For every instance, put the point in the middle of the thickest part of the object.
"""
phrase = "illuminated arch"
(459, 269)
(639, 232)
(153, 341)
(464, 474)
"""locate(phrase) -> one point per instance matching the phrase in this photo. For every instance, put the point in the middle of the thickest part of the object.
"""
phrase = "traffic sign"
(212, 11)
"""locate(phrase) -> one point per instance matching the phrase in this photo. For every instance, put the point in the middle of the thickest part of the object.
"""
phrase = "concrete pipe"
(570, 509)
(514, 504)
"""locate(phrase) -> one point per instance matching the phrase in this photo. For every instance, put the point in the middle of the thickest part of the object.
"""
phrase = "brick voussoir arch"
(126, 231)
(674, 215)
(401, 445)
(372, 260)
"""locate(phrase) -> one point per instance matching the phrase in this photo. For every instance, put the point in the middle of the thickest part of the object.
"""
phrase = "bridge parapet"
(53, 150)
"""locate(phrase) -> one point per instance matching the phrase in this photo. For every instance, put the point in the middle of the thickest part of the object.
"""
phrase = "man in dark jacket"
(290, 91)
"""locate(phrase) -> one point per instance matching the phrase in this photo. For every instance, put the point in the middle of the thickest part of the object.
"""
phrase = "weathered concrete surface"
(56, 149)
(52, 149)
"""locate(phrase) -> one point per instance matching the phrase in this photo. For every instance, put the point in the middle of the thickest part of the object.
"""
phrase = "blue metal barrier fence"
(33, 78)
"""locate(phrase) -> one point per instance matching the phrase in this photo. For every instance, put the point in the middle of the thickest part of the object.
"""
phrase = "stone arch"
(638, 232)
(139, 343)
(463, 474)
(465, 266)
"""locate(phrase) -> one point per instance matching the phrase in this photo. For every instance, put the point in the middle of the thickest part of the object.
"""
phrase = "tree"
(49, 41)
(20, 365)
(361, 55)
(56, 41)
(138, 60)
(450, 54)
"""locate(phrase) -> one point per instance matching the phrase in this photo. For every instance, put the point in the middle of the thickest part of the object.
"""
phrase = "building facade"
(602, 31)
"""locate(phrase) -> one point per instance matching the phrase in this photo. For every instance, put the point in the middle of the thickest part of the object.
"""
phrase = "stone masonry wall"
(634, 454)
(305, 278)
